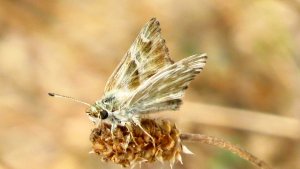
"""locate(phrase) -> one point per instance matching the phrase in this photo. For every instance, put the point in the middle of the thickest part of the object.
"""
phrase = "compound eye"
(104, 114)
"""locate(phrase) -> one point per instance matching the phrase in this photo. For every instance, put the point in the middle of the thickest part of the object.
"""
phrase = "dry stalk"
(218, 142)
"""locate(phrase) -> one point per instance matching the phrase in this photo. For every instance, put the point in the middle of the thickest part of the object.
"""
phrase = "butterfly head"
(96, 113)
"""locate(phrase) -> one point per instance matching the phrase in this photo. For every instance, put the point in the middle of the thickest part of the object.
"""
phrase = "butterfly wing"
(164, 90)
(147, 55)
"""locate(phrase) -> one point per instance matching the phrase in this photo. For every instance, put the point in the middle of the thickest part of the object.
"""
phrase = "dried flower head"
(130, 145)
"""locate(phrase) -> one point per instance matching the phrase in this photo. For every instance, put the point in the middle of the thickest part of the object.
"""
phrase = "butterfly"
(145, 81)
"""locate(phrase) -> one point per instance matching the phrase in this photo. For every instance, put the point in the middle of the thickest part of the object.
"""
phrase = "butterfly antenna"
(67, 97)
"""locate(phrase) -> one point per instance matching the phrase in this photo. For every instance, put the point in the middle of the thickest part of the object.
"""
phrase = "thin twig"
(218, 142)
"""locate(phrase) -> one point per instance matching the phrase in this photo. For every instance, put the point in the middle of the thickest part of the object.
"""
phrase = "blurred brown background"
(72, 46)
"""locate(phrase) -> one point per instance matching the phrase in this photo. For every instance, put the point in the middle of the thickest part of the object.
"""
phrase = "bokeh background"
(249, 92)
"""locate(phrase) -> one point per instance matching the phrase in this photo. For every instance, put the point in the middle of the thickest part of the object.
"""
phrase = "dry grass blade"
(227, 146)
(279, 126)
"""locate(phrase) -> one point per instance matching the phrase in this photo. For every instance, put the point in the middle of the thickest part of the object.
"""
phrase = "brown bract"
(134, 147)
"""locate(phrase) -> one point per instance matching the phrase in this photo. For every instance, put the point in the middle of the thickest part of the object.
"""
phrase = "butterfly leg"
(112, 128)
(136, 121)
(98, 123)
(128, 126)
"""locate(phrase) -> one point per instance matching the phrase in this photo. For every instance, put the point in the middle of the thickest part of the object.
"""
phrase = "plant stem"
(218, 142)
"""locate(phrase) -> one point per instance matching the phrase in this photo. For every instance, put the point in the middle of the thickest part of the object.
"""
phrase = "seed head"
(130, 145)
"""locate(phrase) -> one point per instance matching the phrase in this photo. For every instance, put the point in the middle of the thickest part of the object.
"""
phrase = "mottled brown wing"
(164, 90)
(147, 55)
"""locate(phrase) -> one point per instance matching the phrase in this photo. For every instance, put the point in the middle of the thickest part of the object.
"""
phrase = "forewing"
(147, 55)
(164, 90)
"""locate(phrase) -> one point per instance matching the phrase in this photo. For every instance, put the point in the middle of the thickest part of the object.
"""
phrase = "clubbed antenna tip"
(51, 94)
(67, 97)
